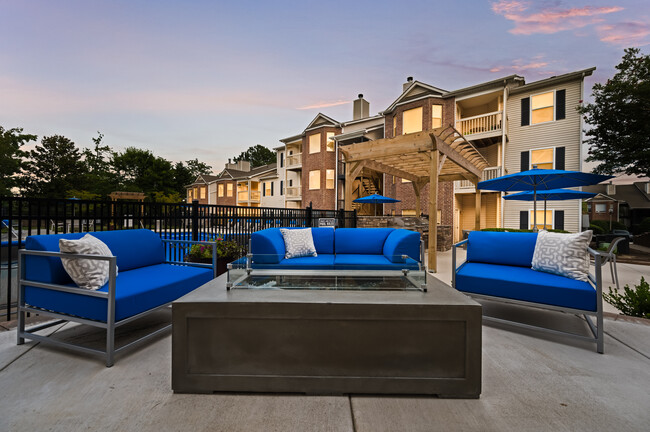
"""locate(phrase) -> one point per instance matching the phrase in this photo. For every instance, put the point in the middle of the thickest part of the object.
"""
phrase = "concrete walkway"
(531, 381)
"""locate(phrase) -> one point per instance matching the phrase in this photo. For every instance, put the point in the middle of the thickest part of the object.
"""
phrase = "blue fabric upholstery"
(402, 242)
(322, 261)
(136, 291)
(267, 246)
(514, 249)
(370, 262)
(520, 283)
(133, 249)
(365, 241)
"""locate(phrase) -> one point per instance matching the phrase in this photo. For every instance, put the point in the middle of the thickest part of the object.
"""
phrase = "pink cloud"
(631, 33)
(551, 20)
(323, 105)
(522, 66)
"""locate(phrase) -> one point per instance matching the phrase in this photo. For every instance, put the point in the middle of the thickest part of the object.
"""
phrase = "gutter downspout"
(503, 147)
(336, 175)
(582, 91)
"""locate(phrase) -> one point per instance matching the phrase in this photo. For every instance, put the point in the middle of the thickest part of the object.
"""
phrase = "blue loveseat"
(147, 281)
(498, 267)
(340, 249)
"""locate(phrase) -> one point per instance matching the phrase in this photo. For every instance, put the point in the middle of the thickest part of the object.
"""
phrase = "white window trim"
(530, 156)
(530, 109)
(530, 216)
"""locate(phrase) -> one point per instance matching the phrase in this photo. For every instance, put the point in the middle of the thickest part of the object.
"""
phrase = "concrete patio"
(531, 381)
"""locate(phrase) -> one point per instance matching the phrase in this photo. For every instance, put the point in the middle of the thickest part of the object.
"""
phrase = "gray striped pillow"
(563, 254)
(87, 273)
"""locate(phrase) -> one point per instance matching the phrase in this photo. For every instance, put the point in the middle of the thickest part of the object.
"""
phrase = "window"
(314, 143)
(601, 208)
(543, 158)
(436, 116)
(229, 189)
(412, 121)
(189, 194)
(408, 212)
(394, 125)
(329, 179)
(268, 189)
(540, 219)
(281, 187)
(281, 159)
(220, 190)
(406, 181)
(202, 193)
(541, 107)
(314, 179)
(588, 207)
(330, 141)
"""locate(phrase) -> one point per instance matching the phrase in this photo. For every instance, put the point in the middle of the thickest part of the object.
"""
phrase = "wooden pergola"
(441, 154)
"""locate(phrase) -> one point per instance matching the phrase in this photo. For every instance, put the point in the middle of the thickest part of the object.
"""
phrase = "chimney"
(360, 108)
(611, 188)
(244, 165)
(408, 82)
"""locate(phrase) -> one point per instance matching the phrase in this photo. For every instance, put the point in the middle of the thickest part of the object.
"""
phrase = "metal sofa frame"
(595, 280)
(110, 325)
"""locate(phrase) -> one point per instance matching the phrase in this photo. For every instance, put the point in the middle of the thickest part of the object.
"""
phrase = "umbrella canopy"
(541, 179)
(550, 195)
(376, 199)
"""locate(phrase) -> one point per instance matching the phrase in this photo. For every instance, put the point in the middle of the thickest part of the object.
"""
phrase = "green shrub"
(633, 302)
(618, 225)
(643, 227)
(604, 225)
(596, 229)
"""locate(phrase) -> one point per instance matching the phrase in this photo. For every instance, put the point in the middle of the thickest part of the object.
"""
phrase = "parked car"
(623, 233)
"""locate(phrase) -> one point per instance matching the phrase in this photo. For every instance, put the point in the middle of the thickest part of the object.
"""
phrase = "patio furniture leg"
(21, 301)
(615, 279)
(110, 345)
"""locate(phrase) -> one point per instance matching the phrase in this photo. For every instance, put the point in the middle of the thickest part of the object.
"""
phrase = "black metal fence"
(21, 217)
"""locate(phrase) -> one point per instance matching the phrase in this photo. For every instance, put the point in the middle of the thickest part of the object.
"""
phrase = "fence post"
(354, 218)
(195, 220)
(308, 215)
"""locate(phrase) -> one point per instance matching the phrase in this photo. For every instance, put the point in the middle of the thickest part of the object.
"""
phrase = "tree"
(620, 137)
(186, 173)
(11, 157)
(99, 178)
(54, 167)
(257, 155)
(140, 170)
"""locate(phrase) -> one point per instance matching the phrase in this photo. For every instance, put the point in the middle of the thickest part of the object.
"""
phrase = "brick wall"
(320, 198)
(448, 106)
(405, 193)
(225, 199)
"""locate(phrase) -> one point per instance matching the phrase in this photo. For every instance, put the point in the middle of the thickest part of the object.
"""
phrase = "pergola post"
(416, 188)
(433, 212)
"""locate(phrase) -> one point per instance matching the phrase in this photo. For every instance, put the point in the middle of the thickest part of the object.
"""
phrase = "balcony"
(255, 196)
(481, 126)
(294, 161)
(466, 186)
(293, 193)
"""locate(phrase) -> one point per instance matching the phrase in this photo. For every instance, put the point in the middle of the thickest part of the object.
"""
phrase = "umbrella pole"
(544, 213)
(535, 209)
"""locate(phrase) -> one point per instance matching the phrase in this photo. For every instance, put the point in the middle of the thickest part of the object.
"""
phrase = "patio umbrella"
(552, 195)
(541, 179)
(375, 199)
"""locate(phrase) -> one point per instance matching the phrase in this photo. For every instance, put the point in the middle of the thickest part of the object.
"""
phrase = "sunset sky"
(208, 79)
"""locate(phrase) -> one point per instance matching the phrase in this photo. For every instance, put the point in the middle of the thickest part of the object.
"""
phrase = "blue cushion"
(267, 246)
(136, 291)
(370, 262)
(322, 261)
(133, 249)
(519, 283)
(514, 249)
(402, 242)
(360, 240)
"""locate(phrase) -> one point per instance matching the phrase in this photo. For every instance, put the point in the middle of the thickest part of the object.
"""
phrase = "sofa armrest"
(454, 267)
(267, 246)
(400, 244)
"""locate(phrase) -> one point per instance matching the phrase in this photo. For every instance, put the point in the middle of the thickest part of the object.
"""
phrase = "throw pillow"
(563, 254)
(298, 243)
(87, 273)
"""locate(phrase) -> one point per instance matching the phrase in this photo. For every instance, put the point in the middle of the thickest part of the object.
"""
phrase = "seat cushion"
(360, 240)
(519, 283)
(136, 291)
(515, 249)
(370, 262)
(322, 261)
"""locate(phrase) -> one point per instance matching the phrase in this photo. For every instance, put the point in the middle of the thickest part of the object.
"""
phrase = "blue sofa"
(498, 267)
(147, 281)
(341, 249)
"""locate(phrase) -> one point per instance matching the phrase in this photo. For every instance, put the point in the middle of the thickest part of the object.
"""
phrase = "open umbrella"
(551, 195)
(375, 199)
(541, 179)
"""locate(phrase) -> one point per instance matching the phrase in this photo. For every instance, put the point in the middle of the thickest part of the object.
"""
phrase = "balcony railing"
(255, 196)
(294, 160)
(490, 122)
(293, 192)
(488, 174)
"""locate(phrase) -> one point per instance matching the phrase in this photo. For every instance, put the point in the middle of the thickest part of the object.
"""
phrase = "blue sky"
(208, 79)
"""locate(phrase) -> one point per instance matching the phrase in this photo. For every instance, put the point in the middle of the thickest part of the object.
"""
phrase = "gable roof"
(241, 175)
(321, 120)
(415, 91)
(632, 194)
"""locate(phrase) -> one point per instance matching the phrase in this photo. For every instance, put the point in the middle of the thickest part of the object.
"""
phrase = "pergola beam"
(377, 166)
(455, 156)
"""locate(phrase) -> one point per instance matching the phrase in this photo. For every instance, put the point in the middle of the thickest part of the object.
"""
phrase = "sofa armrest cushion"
(402, 242)
(515, 249)
(267, 246)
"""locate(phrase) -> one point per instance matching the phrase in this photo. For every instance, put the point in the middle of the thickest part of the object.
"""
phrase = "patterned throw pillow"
(563, 254)
(87, 273)
(298, 243)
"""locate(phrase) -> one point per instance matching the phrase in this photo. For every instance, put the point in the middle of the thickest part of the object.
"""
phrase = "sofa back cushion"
(267, 245)
(364, 241)
(402, 242)
(506, 248)
(133, 249)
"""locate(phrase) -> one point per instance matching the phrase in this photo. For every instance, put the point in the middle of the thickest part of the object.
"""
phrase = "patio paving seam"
(34, 345)
(354, 423)
(627, 345)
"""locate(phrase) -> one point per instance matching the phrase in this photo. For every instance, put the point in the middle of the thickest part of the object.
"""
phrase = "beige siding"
(489, 210)
(560, 133)
(491, 153)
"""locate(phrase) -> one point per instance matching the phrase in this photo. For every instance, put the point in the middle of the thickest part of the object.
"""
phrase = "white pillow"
(87, 273)
(298, 243)
(563, 254)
